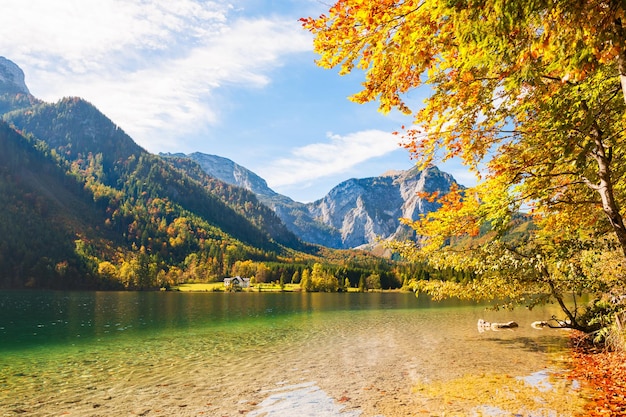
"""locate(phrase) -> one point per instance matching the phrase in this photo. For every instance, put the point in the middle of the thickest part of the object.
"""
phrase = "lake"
(274, 354)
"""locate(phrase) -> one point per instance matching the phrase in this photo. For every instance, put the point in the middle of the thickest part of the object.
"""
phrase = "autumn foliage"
(530, 96)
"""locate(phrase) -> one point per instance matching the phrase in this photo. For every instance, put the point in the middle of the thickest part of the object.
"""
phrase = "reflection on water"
(179, 354)
(539, 380)
(303, 400)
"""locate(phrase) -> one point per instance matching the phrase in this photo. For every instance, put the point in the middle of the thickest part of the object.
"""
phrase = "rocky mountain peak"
(232, 173)
(363, 210)
(11, 78)
(356, 212)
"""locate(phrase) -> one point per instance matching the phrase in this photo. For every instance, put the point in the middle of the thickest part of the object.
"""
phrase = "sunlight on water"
(261, 355)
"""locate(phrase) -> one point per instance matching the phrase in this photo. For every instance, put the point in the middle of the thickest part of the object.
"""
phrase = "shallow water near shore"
(272, 354)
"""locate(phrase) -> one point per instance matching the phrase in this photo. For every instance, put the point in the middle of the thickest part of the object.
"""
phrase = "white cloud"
(81, 34)
(320, 160)
(152, 66)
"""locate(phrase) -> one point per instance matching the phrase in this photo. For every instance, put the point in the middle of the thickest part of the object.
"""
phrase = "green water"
(32, 319)
(166, 353)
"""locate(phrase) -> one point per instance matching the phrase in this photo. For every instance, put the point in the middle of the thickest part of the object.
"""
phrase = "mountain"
(356, 212)
(365, 210)
(228, 171)
(84, 206)
(12, 78)
(14, 93)
(240, 197)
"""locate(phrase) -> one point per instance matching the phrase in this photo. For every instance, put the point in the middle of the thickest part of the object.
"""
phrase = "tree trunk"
(605, 189)
(608, 200)
(621, 65)
(573, 322)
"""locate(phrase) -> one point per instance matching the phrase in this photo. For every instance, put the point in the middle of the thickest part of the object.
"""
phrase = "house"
(236, 282)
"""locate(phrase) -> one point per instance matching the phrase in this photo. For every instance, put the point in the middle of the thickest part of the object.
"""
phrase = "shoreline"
(265, 287)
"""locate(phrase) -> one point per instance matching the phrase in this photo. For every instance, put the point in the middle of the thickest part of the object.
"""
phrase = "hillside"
(114, 214)
(241, 200)
(118, 217)
(44, 213)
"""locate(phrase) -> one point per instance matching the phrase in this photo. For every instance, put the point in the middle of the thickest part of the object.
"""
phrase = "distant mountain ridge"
(228, 171)
(356, 212)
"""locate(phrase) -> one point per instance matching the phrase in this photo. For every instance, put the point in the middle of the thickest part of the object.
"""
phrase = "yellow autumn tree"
(535, 90)
(529, 94)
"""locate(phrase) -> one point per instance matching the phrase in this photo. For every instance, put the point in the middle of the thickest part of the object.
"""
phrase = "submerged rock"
(485, 325)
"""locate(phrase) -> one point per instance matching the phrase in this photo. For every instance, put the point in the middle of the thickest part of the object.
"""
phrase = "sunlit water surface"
(260, 354)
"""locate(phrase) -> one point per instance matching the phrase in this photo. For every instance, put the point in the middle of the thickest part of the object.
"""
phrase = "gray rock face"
(356, 212)
(11, 78)
(226, 170)
(365, 210)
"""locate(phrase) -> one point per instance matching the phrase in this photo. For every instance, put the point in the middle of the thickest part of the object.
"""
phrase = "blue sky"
(231, 78)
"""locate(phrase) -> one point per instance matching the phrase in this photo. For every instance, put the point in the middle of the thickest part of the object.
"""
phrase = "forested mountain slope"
(44, 213)
(77, 184)
(95, 148)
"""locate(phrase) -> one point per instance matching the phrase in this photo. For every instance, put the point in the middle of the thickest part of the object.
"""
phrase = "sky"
(236, 79)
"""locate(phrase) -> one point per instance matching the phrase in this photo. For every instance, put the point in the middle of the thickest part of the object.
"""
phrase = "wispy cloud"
(153, 66)
(85, 35)
(337, 155)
